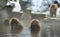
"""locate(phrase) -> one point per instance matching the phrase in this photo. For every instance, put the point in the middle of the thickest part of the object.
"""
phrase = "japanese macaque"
(53, 9)
(35, 25)
(4, 28)
(16, 26)
(4, 24)
(35, 28)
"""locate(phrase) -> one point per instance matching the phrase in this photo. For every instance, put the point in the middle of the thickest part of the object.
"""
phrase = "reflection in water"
(16, 26)
(51, 28)
(35, 33)
(55, 31)
(45, 32)
(35, 28)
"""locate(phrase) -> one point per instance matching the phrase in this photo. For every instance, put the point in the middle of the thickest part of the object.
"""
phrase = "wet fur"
(53, 9)
(16, 26)
(35, 25)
